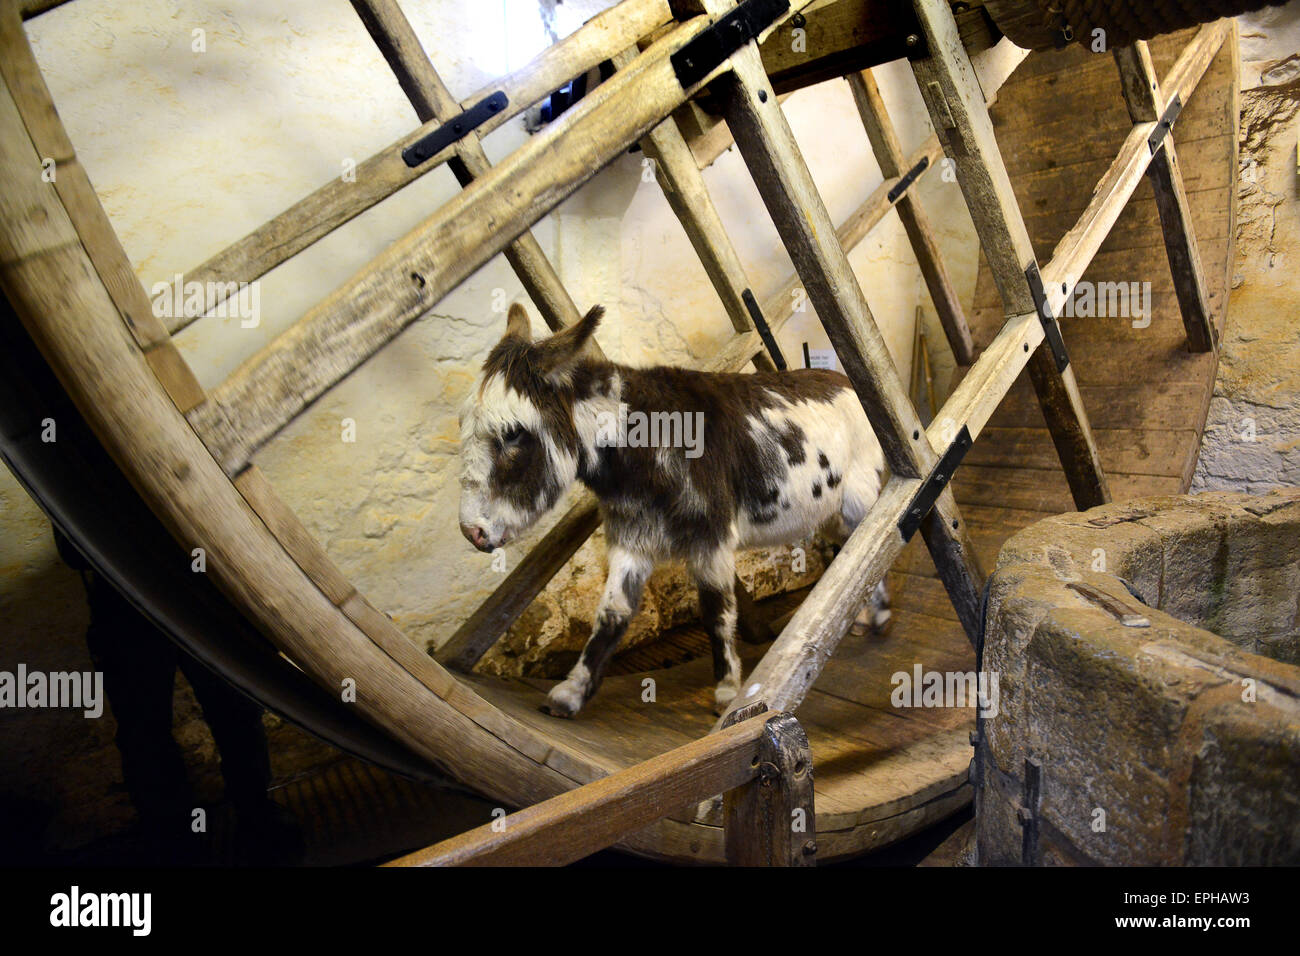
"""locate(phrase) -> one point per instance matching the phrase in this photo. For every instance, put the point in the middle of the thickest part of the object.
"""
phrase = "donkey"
(754, 460)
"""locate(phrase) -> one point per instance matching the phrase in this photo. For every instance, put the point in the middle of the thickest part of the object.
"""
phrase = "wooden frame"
(762, 766)
(188, 453)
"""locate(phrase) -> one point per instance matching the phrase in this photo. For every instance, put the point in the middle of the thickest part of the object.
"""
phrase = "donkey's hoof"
(564, 700)
(880, 621)
(723, 695)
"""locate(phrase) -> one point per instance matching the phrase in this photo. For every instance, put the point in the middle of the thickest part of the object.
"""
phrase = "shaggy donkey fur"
(686, 465)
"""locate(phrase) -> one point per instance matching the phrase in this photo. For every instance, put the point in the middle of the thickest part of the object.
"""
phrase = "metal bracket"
(1028, 811)
(1050, 329)
(702, 55)
(933, 486)
(1167, 120)
(454, 130)
(909, 177)
(764, 332)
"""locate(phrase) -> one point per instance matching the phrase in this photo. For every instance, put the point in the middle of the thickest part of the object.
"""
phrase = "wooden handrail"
(762, 765)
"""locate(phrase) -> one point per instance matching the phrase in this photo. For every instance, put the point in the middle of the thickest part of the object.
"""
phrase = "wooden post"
(770, 821)
(1146, 103)
(889, 156)
(956, 104)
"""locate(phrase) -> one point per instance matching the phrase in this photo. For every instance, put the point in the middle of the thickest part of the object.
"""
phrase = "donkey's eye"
(512, 435)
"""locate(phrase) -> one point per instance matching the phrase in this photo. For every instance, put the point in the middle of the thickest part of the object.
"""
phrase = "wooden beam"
(416, 75)
(578, 823)
(23, 76)
(688, 197)
(352, 323)
(785, 184)
(957, 108)
(1146, 104)
(839, 37)
(771, 822)
(337, 202)
(889, 156)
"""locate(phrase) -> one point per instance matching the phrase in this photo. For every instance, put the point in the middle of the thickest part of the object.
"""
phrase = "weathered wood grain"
(378, 177)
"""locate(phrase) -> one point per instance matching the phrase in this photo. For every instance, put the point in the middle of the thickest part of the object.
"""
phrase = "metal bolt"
(912, 39)
(810, 848)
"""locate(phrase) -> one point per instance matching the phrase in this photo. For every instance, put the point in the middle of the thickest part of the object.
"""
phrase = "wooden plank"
(889, 156)
(688, 197)
(957, 108)
(378, 177)
(1145, 102)
(1136, 451)
(576, 824)
(772, 821)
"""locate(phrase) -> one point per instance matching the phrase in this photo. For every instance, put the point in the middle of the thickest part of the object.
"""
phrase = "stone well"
(1148, 662)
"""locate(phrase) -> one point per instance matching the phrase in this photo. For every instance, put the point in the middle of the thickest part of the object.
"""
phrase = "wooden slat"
(580, 822)
(1146, 103)
(889, 156)
(378, 177)
(956, 103)
(688, 197)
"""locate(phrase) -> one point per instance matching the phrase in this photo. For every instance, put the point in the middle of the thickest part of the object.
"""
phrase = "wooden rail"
(762, 766)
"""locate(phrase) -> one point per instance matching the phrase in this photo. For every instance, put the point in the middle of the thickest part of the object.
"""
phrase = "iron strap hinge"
(933, 485)
(763, 330)
(454, 130)
(702, 55)
(911, 176)
(1051, 330)
(1167, 120)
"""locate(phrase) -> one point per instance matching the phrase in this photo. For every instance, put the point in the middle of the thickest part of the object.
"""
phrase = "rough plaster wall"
(1252, 434)
(191, 150)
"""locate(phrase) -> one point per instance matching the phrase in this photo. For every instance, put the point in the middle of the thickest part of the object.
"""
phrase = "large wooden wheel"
(881, 773)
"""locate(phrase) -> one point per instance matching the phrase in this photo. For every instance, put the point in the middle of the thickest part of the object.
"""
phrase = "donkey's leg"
(628, 572)
(715, 577)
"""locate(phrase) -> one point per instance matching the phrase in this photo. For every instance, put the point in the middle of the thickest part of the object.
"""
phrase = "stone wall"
(1252, 434)
(1155, 741)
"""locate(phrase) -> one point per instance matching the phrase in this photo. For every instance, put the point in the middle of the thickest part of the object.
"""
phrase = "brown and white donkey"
(686, 466)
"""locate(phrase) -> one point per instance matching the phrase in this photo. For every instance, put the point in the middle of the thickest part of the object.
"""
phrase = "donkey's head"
(519, 447)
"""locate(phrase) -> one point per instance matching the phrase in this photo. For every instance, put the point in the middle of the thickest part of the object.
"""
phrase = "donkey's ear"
(557, 354)
(517, 324)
